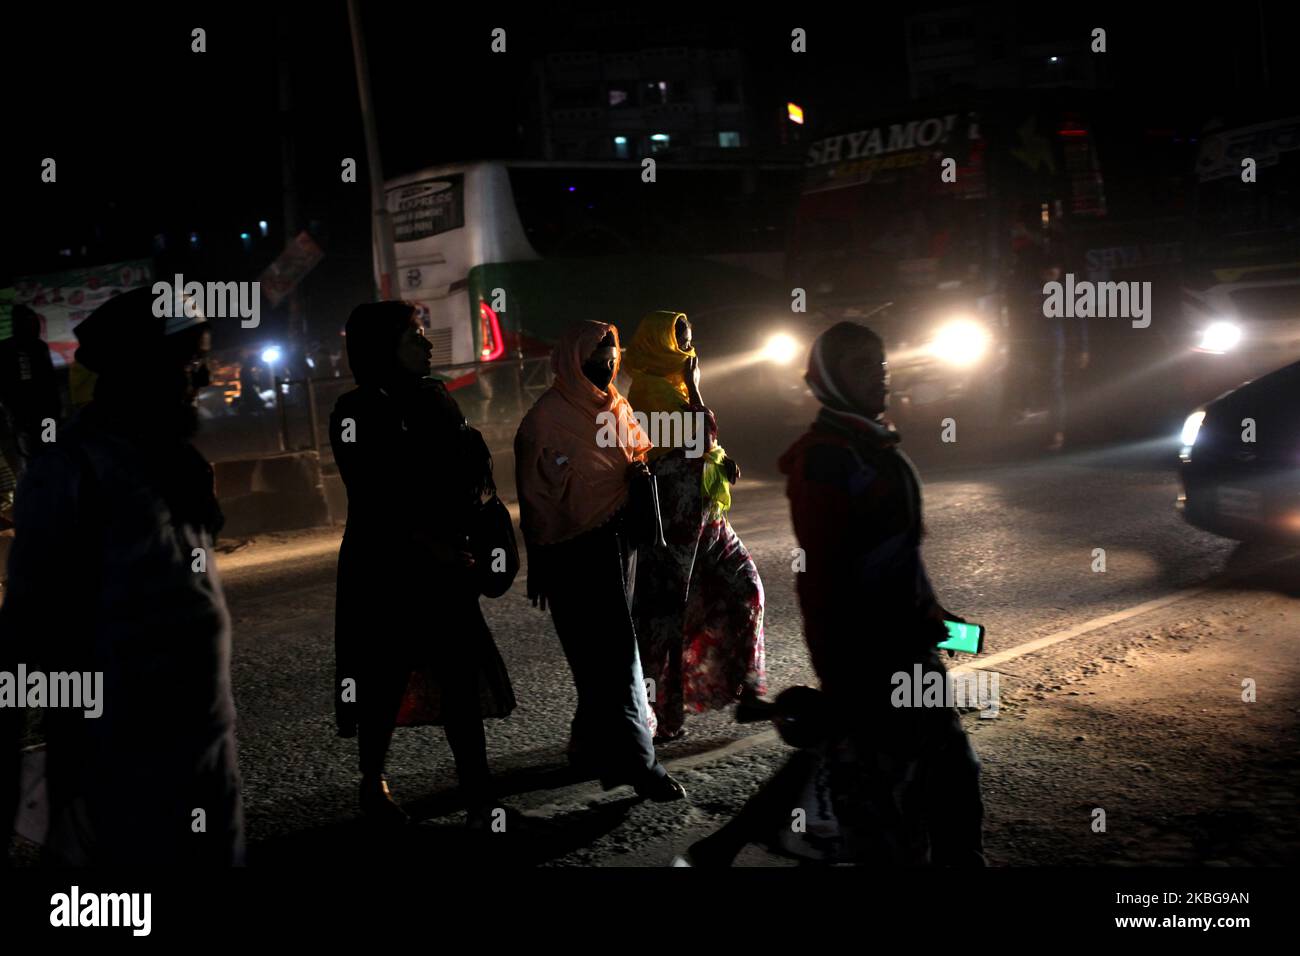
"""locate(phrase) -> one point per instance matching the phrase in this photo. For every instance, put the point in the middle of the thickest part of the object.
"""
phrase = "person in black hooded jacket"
(112, 573)
(411, 644)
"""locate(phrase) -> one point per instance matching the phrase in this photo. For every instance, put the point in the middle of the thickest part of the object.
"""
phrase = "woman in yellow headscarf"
(699, 602)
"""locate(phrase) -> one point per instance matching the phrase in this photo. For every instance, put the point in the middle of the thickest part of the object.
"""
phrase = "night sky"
(153, 139)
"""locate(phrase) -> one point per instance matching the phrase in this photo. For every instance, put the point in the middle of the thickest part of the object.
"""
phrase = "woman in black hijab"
(411, 645)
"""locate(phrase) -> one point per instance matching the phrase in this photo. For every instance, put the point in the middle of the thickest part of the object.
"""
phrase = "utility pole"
(289, 186)
(383, 226)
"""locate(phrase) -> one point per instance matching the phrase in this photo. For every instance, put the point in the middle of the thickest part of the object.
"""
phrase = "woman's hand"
(731, 469)
(691, 373)
(637, 469)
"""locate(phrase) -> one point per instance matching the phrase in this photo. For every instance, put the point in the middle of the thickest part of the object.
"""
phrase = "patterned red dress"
(698, 603)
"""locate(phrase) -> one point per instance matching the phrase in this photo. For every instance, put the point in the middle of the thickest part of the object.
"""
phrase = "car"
(1240, 460)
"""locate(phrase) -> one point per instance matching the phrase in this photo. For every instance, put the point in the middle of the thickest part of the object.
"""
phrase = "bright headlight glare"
(1192, 427)
(960, 342)
(780, 348)
(1220, 336)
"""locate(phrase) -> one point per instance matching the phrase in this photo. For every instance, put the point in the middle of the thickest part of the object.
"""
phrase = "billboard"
(62, 299)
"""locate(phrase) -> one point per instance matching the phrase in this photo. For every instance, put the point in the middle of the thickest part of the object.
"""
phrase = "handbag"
(492, 542)
(643, 522)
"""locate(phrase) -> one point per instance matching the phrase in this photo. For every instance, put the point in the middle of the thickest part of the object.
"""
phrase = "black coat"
(103, 578)
(413, 471)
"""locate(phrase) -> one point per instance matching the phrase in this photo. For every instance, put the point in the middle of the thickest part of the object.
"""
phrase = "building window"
(659, 142)
(725, 91)
(728, 139)
(618, 98)
(654, 93)
(620, 147)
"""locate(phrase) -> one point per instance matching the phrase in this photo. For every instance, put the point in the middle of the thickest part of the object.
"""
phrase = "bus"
(499, 256)
(921, 224)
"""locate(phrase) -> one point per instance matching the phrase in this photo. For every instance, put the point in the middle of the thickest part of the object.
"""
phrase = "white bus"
(500, 255)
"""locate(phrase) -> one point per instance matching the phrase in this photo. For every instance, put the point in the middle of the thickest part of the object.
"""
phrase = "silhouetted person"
(699, 601)
(411, 644)
(576, 452)
(901, 783)
(29, 390)
(112, 571)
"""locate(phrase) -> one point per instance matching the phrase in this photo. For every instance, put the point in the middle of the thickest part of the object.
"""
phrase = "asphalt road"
(1010, 544)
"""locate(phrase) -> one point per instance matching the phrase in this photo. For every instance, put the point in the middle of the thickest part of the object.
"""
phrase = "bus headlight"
(961, 342)
(1220, 337)
(780, 349)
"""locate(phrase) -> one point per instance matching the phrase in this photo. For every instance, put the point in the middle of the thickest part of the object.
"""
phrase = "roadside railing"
(493, 396)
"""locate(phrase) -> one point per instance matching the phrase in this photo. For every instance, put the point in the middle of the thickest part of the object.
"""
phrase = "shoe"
(753, 709)
(663, 789)
(668, 738)
(377, 805)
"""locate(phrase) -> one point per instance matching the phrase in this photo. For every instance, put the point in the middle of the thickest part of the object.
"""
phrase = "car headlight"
(780, 349)
(1192, 427)
(960, 342)
(1220, 337)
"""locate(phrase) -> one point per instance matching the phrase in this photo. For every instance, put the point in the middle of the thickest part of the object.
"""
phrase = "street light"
(271, 355)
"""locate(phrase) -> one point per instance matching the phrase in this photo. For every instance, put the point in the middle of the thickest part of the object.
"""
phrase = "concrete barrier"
(281, 492)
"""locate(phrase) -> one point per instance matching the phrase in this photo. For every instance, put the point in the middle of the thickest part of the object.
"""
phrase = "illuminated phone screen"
(966, 638)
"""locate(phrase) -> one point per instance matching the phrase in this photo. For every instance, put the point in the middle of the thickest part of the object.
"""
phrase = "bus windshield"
(879, 238)
(876, 219)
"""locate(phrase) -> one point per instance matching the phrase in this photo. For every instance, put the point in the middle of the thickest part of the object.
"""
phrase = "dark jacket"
(414, 471)
(855, 502)
(103, 578)
(29, 389)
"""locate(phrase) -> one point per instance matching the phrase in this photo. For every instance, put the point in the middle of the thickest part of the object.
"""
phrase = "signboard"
(858, 157)
(284, 274)
(426, 208)
(63, 299)
(1222, 153)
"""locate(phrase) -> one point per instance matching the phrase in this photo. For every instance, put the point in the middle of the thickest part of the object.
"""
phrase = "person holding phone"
(903, 782)
(869, 609)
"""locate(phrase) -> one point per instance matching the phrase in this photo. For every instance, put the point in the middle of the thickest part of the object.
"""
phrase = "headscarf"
(373, 333)
(826, 375)
(574, 446)
(655, 362)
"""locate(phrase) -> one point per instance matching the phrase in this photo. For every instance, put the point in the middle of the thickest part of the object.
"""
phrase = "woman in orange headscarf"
(576, 452)
(699, 602)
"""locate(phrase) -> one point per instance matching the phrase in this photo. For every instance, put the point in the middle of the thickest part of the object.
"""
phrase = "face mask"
(598, 373)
